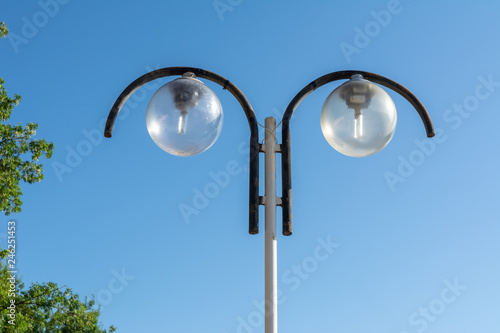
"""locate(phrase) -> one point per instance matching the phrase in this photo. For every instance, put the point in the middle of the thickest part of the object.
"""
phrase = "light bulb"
(358, 124)
(357, 98)
(182, 123)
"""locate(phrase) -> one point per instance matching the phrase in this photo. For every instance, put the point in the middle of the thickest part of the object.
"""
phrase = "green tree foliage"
(3, 30)
(44, 308)
(19, 152)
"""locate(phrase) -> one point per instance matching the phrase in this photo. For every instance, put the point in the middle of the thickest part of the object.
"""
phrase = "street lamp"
(184, 118)
(358, 118)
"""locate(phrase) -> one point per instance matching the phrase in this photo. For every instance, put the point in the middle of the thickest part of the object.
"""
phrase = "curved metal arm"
(227, 85)
(285, 149)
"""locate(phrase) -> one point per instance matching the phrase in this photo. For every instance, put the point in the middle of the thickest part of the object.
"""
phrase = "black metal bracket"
(285, 145)
(254, 199)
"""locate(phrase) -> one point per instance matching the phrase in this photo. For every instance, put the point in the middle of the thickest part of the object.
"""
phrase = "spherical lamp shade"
(358, 118)
(184, 117)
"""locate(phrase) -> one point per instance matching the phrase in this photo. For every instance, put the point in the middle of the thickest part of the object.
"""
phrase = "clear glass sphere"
(184, 117)
(358, 118)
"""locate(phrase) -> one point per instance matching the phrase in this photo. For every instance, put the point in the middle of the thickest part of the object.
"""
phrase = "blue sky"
(416, 253)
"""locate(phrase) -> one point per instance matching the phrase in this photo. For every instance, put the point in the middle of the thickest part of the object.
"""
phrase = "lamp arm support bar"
(285, 149)
(226, 85)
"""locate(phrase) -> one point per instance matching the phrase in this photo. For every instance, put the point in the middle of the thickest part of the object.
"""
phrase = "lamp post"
(184, 118)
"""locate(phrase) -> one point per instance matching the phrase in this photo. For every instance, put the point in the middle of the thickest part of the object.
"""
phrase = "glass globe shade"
(184, 117)
(358, 118)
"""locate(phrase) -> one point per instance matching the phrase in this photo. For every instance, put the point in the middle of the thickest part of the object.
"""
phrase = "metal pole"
(271, 301)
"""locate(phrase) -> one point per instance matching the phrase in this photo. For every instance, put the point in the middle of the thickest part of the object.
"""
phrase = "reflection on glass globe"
(184, 117)
(358, 118)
